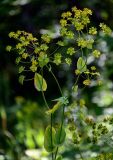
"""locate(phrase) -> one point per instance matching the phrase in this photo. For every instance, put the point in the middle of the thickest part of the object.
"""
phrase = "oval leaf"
(48, 141)
(39, 82)
(81, 65)
(60, 136)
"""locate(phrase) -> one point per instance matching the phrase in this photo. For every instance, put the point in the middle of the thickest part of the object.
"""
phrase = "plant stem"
(51, 133)
(56, 81)
(56, 153)
(43, 92)
(45, 100)
(62, 120)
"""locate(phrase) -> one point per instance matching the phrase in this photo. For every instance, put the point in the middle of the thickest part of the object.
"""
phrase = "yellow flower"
(66, 15)
(87, 82)
(33, 68)
(8, 48)
(19, 46)
(81, 42)
(34, 62)
(82, 102)
(24, 55)
(63, 22)
(11, 34)
(96, 53)
(105, 28)
(77, 72)
(93, 68)
(93, 31)
(88, 11)
(68, 61)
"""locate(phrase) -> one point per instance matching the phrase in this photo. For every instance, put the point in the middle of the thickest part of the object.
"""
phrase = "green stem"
(77, 80)
(62, 120)
(43, 92)
(45, 100)
(56, 81)
(56, 153)
(51, 133)
(51, 114)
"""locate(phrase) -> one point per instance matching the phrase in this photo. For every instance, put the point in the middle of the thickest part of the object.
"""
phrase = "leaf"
(81, 65)
(55, 107)
(59, 158)
(75, 88)
(63, 100)
(21, 69)
(60, 136)
(21, 79)
(39, 82)
(48, 141)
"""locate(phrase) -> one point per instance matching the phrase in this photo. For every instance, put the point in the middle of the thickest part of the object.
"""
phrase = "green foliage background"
(22, 119)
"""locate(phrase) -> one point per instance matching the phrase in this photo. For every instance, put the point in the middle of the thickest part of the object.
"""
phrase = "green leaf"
(39, 82)
(75, 88)
(21, 69)
(21, 79)
(60, 136)
(59, 158)
(48, 141)
(81, 65)
(63, 100)
(55, 107)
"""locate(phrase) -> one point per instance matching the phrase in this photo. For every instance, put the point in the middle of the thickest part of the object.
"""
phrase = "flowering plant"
(79, 39)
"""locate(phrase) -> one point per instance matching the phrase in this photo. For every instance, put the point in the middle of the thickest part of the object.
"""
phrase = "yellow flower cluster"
(78, 18)
(82, 102)
(33, 53)
(30, 51)
(85, 43)
(87, 82)
(92, 31)
(105, 28)
(96, 53)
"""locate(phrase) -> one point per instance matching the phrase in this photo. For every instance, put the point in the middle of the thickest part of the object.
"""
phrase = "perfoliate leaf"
(55, 107)
(60, 136)
(39, 82)
(49, 139)
(81, 65)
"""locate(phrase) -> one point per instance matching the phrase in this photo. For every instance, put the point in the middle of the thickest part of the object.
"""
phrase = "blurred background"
(22, 118)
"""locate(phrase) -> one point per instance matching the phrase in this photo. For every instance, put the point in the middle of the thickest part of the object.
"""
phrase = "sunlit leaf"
(81, 65)
(55, 108)
(49, 139)
(60, 136)
(39, 82)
